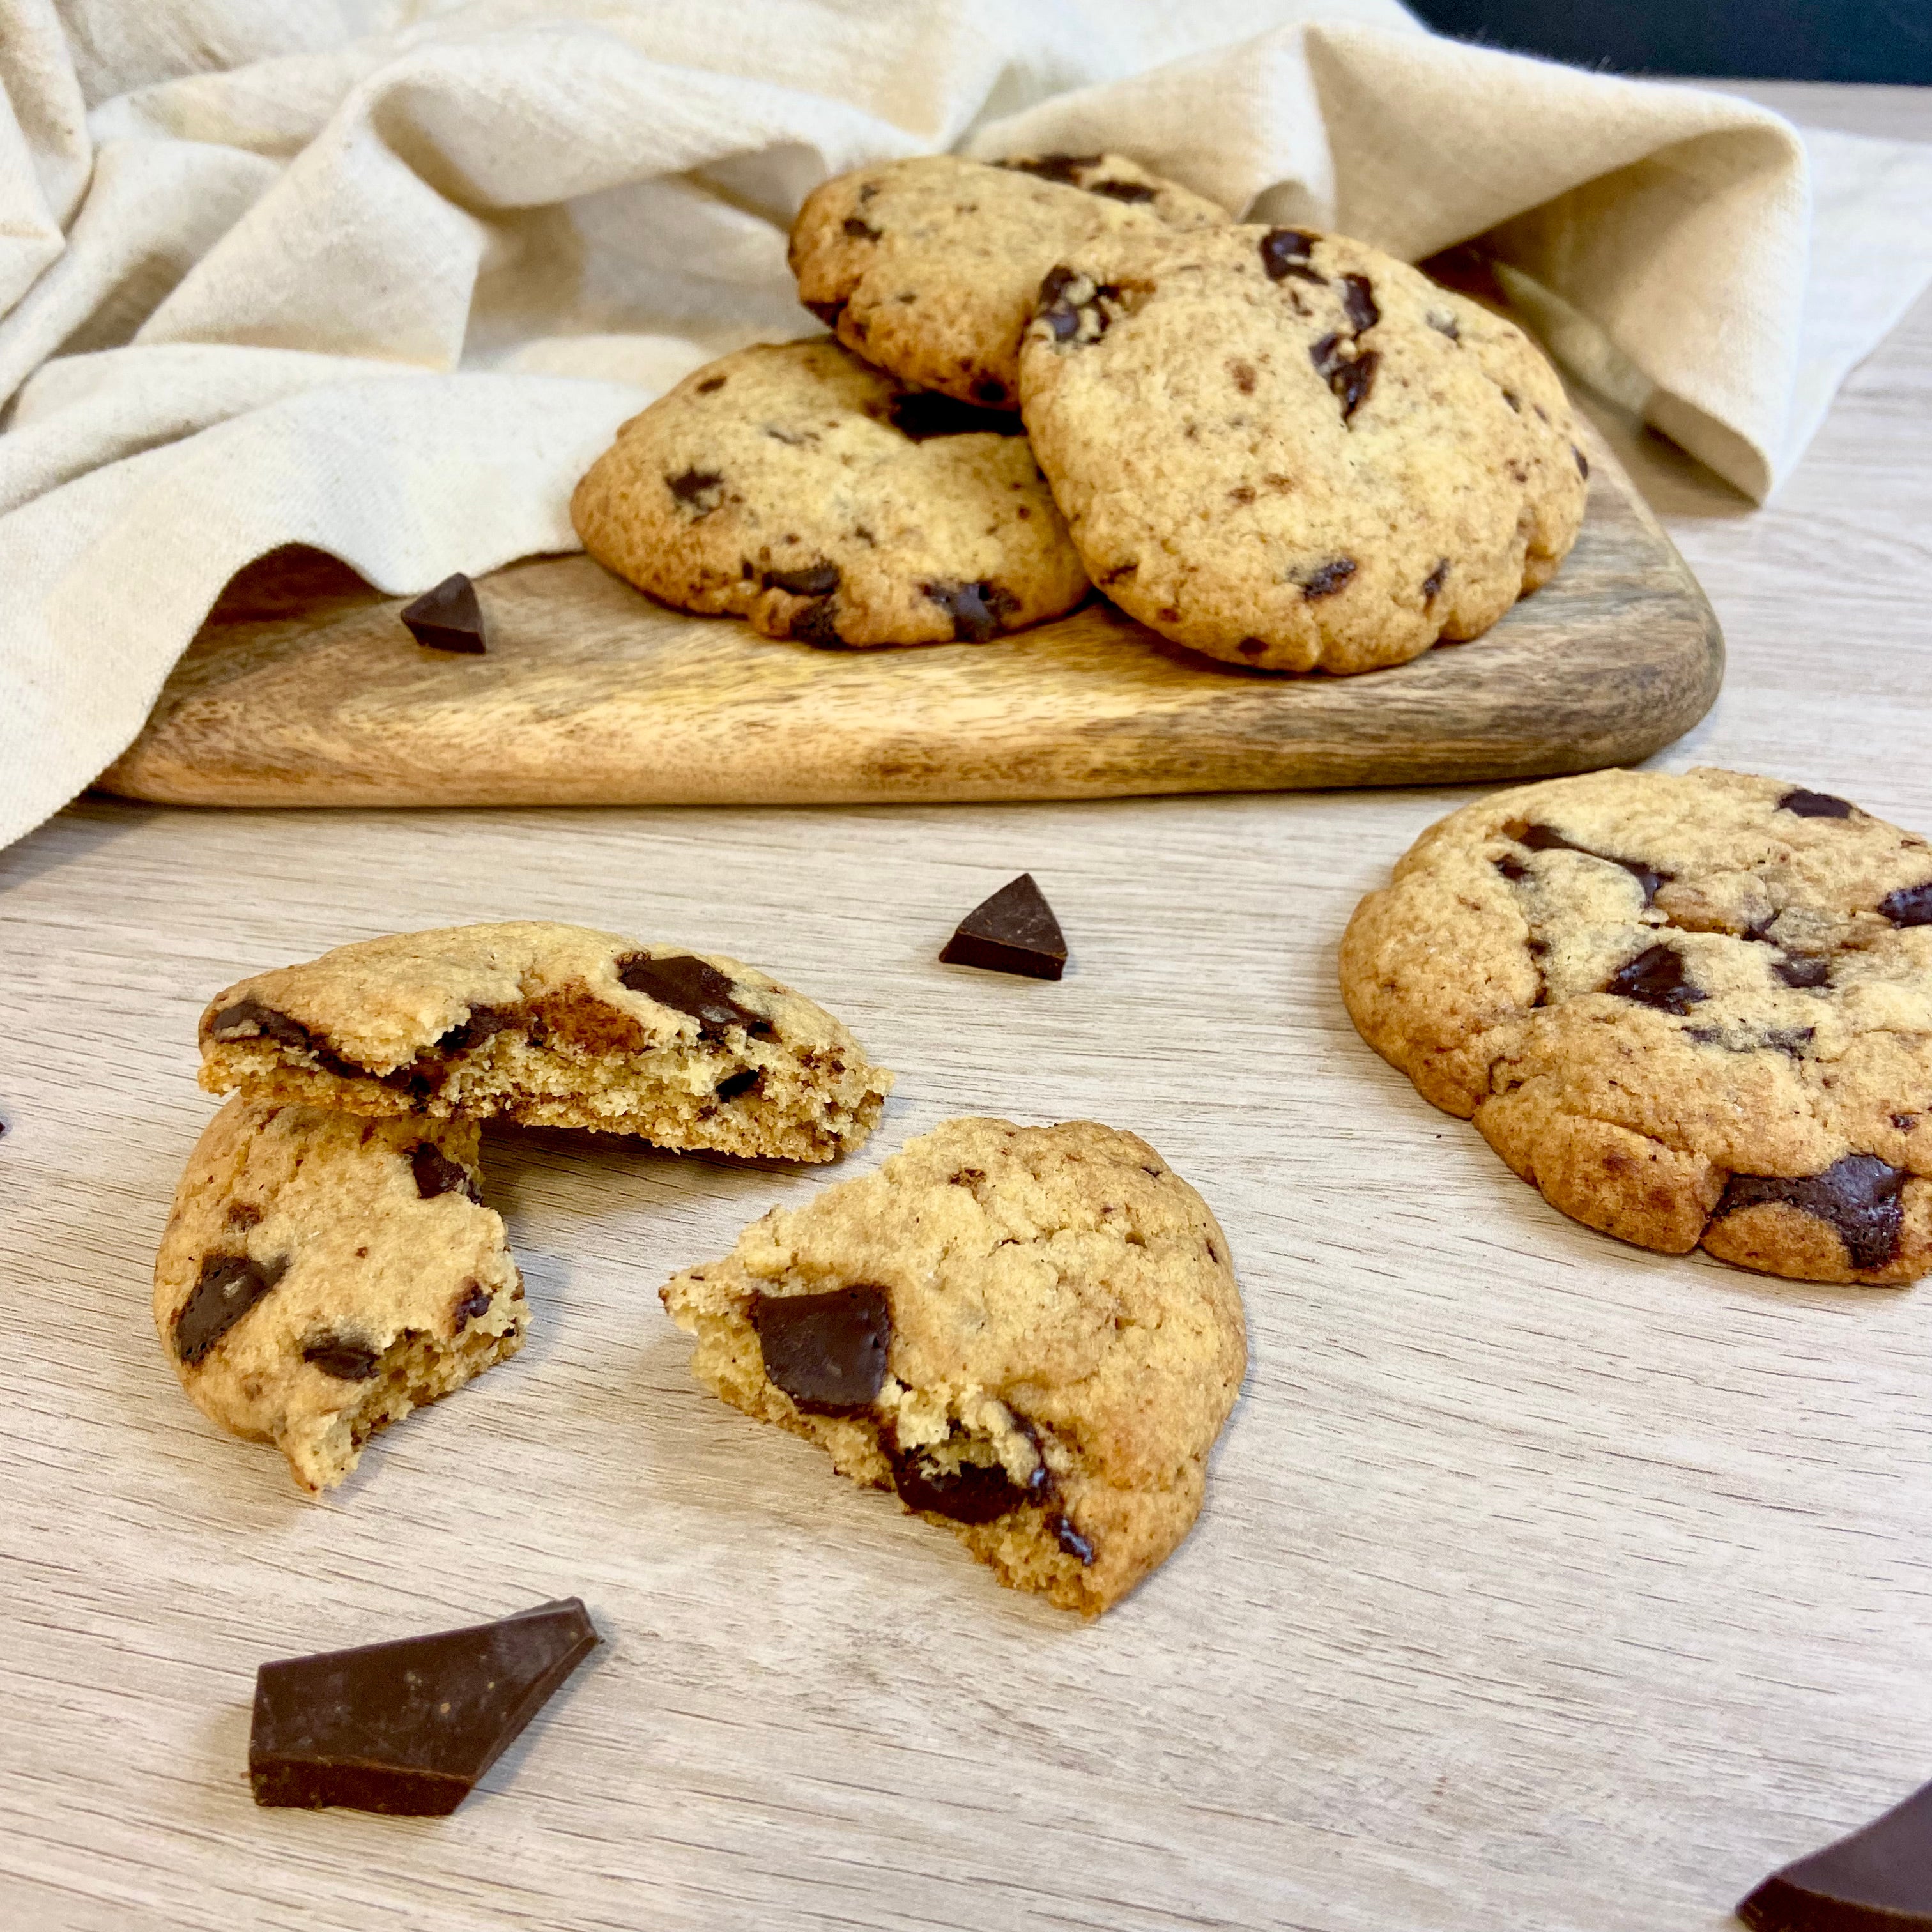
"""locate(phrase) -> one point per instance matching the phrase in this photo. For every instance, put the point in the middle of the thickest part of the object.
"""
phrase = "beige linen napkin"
(382, 276)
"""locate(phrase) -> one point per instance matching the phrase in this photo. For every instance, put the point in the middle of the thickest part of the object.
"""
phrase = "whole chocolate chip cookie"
(323, 1275)
(1290, 451)
(929, 267)
(1692, 1009)
(1032, 1334)
(555, 1026)
(793, 484)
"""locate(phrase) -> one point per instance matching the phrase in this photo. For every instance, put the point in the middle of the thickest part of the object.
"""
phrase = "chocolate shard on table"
(1878, 1879)
(448, 618)
(1013, 931)
(408, 1728)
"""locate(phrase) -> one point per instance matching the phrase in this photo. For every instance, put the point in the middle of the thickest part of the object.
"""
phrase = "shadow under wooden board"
(303, 688)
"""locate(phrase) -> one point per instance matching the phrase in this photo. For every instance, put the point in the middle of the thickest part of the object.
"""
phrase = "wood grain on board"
(303, 688)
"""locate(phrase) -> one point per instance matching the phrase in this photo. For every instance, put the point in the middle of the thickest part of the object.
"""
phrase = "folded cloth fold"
(381, 276)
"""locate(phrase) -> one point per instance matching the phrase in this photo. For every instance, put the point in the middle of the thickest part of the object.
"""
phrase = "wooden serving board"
(303, 688)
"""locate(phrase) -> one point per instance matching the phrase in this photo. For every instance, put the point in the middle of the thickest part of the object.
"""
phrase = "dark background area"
(1744, 39)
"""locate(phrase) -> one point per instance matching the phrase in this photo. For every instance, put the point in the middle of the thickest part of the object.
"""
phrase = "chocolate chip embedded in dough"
(1325, 579)
(227, 1288)
(1252, 647)
(815, 580)
(1015, 931)
(1547, 838)
(1349, 378)
(1910, 905)
(1070, 1540)
(1358, 298)
(980, 611)
(1582, 462)
(743, 1082)
(921, 413)
(699, 489)
(1655, 978)
(1118, 190)
(1069, 305)
(249, 1019)
(860, 229)
(1815, 804)
(1284, 252)
(436, 1174)
(347, 1359)
(448, 618)
(1065, 168)
(1878, 1879)
(1432, 583)
(1858, 1195)
(817, 624)
(473, 1299)
(1803, 971)
(689, 984)
(826, 1351)
(484, 1023)
(711, 384)
(969, 1493)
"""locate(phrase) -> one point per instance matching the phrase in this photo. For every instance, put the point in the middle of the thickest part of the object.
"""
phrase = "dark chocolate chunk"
(436, 1174)
(1013, 931)
(733, 1084)
(712, 384)
(1857, 1195)
(826, 1351)
(965, 1492)
(1799, 969)
(1910, 905)
(1325, 579)
(921, 413)
(698, 490)
(484, 1023)
(815, 580)
(1815, 804)
(817, 624)
(1130, 191)
(1350, 377)
(408, 1728)
(860, 229)
(1358, 297)
(1511, 868)
(1432, 583)
(1582, 462)
(346, 1360)
(448, 618)
(1878, 1879)
(228, 1286)
(979, 611)
(1655, 978)
(1066, 169)
(1285, 252)
(1070, 1540)
(1547, 838)
(1067, 317)
(471, 1300)
(690, 985)
(249, 1019)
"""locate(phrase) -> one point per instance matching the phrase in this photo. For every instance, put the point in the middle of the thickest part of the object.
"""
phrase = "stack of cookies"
(1284, 450)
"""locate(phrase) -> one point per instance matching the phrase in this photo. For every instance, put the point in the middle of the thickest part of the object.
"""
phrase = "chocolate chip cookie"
(1032, 1334)
(929, 267)
(1290, 451)
(794, 484)
(323, 1275)
(554, 1026)
(1691, 1009)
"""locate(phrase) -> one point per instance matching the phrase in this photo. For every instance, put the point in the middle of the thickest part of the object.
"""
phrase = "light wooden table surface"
(1543, 1583)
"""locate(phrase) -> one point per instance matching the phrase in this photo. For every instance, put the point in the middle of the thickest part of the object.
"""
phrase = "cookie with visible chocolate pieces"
(1691, 1009)
(794, 484)
(554, 1026)
(929, 267)
(1032, 1334)
(323, 1275)
(1290, 451)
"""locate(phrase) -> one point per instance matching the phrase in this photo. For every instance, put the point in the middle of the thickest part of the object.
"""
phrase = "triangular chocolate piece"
(408, 1728)
(1879, 1880)
(448, 618)
(1013, 931)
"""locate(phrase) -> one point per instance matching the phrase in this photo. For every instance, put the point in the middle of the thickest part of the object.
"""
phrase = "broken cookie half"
(323, 1275)
(1032, 1334)
(553, 1026)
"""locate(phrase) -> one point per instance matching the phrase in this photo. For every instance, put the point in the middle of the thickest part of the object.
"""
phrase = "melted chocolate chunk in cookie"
(815, 580)
(1127, 191)
(1858, 1195)
(1910, 905)
(921, 413)
(1547, 838)
(1815, 804)
(227, 1288)
(980, 611)
(689, 984)
(1350, 377)
(963, 1492)
(1358, 298)
(341, 1356)
(826, 1351)
(1284, 252)
(1065, 168)
(1325, 579)
(1798, 971)
(484, 1023)
(1070, 306)
(1655, 978)
(436, 1174)
(698, 490)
